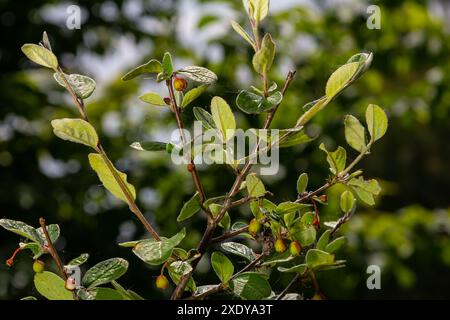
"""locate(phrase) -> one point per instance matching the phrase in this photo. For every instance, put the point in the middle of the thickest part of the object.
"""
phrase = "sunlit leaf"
(153, 66)
(40, 55)
(51, 286)
(105, 272)
(83, 86)
(377, 121)
(199, 74)
(223, 117)
(355, 133)
(75, 130)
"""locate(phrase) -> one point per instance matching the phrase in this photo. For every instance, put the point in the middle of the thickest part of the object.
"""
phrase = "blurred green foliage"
(408, 231)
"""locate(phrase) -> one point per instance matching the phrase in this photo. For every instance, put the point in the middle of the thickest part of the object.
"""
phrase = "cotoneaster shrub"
(291, 235)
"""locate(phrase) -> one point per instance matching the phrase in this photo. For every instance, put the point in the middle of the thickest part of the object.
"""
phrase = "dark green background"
(407, 232)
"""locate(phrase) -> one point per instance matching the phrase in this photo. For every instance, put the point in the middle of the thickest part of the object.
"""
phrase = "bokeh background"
(406, 233)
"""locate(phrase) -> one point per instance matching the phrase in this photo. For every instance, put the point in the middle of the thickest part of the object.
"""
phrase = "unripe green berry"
(179, 84)
(162, 282)
(254, 226)
(295, 248)
(280, 246)
(38, 266)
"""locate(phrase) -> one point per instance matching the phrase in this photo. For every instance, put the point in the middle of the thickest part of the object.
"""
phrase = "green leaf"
(301, 268)
(302, 183)
(40, 55)
(36, 248)
(250, 286)
(105, 272)
(288, 207)
(276, 258)
(83, 86)
(45, 41)
(177, 270)
(78, 261)
(222, 266)
(107, 178)
(340, 79)
(336, 159)
(355, 133)
(204, 117)
(305, 234)
(20, 228)
(237, 27)
(317, 105)
(255, 187)
(191, 207)
(28, 298)
(260, 9)
(75, 130)
(51, 286)
(335, 245)
(365, 189)
(317, 258)
(225, 222)
(294, 137)
(199, 74)
(377, 121)
(157, 252)
(364, 60)
(252, 103)
(151, 146)
(323, 240)
(53, 232)
(347, 201)
(167, 67)
(223, 117)
(122, 291)
(153, 98)
(106, 294)
(193, 94)
(239, 249)
(263, 58)
(153, 66)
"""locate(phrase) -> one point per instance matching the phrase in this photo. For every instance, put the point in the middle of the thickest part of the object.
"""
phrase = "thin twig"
(285, 291)
(208, 234)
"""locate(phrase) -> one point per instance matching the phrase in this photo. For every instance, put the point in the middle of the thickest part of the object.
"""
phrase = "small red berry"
(38, 266)
(167, 100)
(179, 84)
(162, 282)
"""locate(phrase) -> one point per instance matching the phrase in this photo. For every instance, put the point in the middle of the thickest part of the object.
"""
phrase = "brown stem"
(192, 168)
(131, 203)
(286, 290)
(207, 236)
(52, 250)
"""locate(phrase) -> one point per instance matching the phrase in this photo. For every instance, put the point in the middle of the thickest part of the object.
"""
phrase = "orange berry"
(179, 84)
(162, 282)
(295, 248)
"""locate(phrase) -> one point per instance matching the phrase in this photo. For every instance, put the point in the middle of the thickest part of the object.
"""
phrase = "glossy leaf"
(250, 286)
(253, 103)
(40, 55)
(83, 86)
(75, 130)
(177, 270)
(157, 252)
(199, 74)
(335, 245)
(53, 232)
(20, 228)
(323, 240)
(204, 117)
(260, 9)
(222, 266)
(78, 261)
(153, 66)
(301, 268)
(239, 249)
(191, 207)
(151, 146)
(105, 272)
(106, 294)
